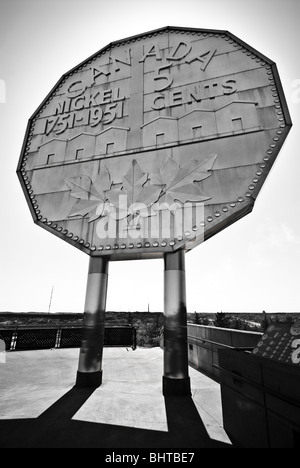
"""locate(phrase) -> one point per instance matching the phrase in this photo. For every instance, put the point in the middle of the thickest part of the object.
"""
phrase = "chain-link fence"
(35, 339)
(7, 336)
(22, 339)
(120, 336)
(71, 337)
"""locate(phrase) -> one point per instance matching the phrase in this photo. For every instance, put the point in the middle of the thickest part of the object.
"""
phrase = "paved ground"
(39, 406)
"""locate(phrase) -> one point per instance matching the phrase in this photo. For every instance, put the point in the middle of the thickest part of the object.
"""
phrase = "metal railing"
(205, 341)
(34, 338)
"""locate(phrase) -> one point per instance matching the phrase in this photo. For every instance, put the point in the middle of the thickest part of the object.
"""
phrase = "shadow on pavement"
(56, 429)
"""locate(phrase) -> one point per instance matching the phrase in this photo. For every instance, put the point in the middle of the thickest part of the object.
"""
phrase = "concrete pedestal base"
(89, 380)
(176, 387)
(176, 381)
(91, 352)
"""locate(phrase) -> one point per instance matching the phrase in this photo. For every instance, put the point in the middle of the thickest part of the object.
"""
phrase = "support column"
(91, 353)
(176, 379)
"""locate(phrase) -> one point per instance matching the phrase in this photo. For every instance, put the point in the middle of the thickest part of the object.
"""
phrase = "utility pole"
(51, 297)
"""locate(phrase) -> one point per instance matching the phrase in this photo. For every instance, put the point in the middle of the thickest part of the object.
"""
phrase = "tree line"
(247, 322)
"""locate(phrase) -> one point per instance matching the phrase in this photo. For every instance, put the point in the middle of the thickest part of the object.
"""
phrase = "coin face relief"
(154, 144)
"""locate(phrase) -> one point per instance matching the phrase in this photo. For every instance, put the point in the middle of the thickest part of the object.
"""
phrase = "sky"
(249, 267)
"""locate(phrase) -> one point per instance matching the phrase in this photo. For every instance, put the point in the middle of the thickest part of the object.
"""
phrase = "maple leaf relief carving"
(91, 195)
(136, 196)
(179, 181)
(139, 193)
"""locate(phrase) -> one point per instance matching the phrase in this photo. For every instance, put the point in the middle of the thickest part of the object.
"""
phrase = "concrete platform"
(39, 406)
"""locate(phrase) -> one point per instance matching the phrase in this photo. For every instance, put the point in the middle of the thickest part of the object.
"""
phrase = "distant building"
(111, 140)
(233, 118)
(80, 147)
(237, 117)
(52, 152)
(160, 131)
(197, 124)
(83, 146)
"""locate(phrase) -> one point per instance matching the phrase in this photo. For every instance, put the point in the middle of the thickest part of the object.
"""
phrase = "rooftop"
(40, 407)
